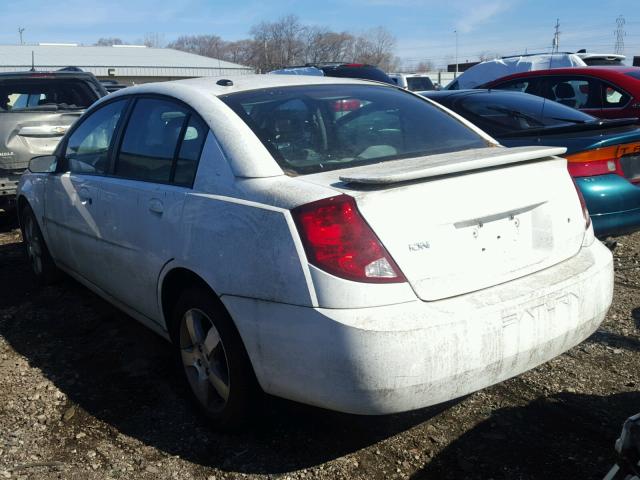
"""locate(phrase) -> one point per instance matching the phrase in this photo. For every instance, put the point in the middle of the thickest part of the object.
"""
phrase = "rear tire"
(213, 360)
(42, 265)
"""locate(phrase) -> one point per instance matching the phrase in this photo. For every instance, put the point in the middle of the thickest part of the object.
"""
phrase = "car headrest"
(564, 90)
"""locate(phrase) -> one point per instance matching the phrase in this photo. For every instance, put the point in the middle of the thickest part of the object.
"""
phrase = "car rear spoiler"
(417, 168)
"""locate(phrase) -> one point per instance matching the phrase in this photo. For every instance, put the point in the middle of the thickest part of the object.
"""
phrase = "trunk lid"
(460, 222)
(24, 135)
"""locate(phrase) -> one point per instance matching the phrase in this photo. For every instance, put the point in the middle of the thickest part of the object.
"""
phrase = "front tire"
(213, 360)
(42, 265)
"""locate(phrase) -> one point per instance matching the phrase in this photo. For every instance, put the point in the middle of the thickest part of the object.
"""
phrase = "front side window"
(88, 146)
(150, 141)
(310, 129)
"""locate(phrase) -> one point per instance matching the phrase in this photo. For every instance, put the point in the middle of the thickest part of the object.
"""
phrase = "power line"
(619, 34)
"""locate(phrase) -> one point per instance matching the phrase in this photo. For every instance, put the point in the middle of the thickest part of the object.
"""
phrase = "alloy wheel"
(204, 360)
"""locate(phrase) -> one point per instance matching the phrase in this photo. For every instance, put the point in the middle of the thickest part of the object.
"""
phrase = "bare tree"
(154, 40)
(287, 42)
(205, 45)
(241, 52)
(108, 41)
(375, 47)
(425, 66)
(278, 43)
(323, 45)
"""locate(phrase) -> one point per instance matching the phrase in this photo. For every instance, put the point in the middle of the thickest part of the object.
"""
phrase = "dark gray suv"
(36, 109)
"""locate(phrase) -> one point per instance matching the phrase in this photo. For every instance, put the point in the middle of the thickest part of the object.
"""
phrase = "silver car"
(36, 109)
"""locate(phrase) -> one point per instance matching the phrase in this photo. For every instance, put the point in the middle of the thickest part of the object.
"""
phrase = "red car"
(605, 92)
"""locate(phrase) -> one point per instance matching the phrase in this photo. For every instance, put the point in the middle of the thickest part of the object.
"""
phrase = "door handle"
(156, 206)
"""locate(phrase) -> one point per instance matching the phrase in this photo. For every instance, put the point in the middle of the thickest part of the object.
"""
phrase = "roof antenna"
(33, 62)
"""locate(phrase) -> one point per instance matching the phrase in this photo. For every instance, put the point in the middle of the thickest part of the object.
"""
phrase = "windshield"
(45, 94)
(310, 129)
(419, 83)
(501, 112)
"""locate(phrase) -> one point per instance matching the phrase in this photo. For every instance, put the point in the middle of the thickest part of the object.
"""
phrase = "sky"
(424, 29)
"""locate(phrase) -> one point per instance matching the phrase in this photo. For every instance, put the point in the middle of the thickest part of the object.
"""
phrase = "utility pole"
(455, 75)
(20, 30)
(619, 34)
(556, 38)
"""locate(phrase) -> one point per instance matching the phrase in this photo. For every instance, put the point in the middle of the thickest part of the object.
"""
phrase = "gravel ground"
(88, 393)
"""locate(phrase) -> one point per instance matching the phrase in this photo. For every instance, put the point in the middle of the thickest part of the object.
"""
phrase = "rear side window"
(613, 97)
(190, 150)
(162, 143)
(634, 75)
(502, 112)
(310, 129)
(88, 146)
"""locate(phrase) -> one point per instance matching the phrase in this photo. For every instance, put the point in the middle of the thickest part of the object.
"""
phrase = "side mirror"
(43, 164)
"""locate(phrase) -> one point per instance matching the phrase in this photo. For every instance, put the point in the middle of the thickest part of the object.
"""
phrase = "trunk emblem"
(416, 247)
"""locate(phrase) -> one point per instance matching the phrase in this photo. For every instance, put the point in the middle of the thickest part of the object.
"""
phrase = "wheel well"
(175, 282)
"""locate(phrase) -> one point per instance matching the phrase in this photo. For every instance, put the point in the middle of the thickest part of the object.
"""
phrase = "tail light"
(583, 205)
(600, 161)
(594, 162)
(339, 241)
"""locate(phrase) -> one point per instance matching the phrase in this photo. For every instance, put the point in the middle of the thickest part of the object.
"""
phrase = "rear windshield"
(45, 94)
(634, 74)
(500, 113)
(419, 83)
(311, 129)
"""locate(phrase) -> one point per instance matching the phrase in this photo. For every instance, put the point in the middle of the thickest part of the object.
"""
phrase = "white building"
(127, 64)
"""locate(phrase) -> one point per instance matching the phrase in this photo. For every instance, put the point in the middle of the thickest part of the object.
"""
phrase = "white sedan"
(336, 242)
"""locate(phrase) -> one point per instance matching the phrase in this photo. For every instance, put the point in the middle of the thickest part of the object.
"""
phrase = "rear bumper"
(613, 203)
(401, 357)
(8, 187)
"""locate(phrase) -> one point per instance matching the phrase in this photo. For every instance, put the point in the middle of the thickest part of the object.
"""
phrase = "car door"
(154, 168)
(72, 209)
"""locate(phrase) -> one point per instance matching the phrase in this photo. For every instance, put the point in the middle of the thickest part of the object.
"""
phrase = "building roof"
(127, 61)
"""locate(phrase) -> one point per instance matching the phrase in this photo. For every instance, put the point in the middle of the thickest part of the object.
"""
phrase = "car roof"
(45, 74)
(596, 70)
(241, 83)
